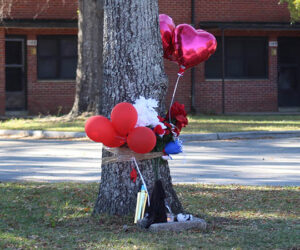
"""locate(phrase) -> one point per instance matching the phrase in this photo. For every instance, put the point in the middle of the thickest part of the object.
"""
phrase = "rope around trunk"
(124, 154)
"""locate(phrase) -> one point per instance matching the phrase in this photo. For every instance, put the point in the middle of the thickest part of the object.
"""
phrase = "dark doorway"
(289, 72)
(15, 77)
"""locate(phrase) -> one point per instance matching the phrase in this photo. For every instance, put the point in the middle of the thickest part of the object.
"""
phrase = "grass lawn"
(51, 123)
(58, 215)
(240, 123)
(197, 124)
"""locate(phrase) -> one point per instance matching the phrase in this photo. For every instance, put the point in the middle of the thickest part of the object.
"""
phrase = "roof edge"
(39, 23)
(249, 25)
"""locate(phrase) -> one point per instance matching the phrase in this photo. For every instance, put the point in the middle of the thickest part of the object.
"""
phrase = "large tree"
(132, 67)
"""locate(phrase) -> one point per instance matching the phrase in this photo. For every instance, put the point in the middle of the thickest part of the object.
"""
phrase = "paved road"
(247, 162)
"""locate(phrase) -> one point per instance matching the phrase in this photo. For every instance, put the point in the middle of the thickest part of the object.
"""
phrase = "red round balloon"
(191, 46)
(124, 117)
(141, 140)
(99, 129)
(167, 27)
(117, 141)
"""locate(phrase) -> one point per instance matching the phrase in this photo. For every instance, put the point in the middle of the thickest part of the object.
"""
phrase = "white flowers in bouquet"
(147, 115)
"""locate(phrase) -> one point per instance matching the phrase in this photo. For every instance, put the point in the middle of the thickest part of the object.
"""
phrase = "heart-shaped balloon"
(191, 46)
(167, 27)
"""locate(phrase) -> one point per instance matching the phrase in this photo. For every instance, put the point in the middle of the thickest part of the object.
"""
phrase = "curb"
(41, 134)
(240, 135)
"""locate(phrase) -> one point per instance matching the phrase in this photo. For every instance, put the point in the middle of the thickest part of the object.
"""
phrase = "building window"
(57, 57)
(245, 58)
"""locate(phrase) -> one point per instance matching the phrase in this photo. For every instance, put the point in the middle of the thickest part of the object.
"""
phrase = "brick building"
(255, 69)
(38, 56)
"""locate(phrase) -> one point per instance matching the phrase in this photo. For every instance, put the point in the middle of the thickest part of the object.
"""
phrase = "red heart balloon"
(167, 27)
(191, 46)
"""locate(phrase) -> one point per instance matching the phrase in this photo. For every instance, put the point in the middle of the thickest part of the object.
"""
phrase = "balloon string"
(137, 167)
(173, 96)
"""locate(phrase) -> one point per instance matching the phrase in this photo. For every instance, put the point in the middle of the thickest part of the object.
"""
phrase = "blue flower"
(173, 147)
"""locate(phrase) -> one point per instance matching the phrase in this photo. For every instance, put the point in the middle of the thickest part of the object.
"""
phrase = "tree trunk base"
(118, 193)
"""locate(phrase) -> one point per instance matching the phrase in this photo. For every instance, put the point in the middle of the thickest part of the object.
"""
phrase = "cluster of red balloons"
(184, 44)
(121, 129)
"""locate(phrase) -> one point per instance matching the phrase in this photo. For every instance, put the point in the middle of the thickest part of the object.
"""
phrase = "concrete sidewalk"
(245, 162)
(185, 137)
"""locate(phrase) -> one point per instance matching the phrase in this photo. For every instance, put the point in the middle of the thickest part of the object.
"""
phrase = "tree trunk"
(132, 67)
(5, 9)
(89, 68)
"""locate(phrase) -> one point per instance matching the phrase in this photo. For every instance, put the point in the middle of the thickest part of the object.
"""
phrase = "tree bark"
(132, 67)
(89, 67)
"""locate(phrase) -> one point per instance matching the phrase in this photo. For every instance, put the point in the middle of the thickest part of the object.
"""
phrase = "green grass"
(240, 123)
(58, 216)
(50, 123)
(197, 124)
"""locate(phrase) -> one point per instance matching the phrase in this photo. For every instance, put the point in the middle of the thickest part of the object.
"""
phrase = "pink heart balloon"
(167, 27)
(191, 46)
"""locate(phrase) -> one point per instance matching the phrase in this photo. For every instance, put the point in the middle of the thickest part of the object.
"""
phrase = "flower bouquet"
(138, 129)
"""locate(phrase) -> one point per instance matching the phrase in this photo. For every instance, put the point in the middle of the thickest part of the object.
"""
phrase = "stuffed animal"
(184, 217)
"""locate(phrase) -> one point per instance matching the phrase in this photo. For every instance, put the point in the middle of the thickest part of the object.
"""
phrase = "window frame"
(58, 57)
(242, 38)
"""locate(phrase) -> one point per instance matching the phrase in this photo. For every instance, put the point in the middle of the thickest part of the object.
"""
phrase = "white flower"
(166, 157)
(147, 115)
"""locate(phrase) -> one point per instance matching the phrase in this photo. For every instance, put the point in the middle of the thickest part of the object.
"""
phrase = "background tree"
(294, 8)
(89, 67)
(132, 67)
(5, 8)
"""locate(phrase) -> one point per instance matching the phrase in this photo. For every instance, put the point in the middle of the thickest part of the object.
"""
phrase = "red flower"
(168, 125)
(182, 121)
(176, 131)
(177, 109)
(159, 130)
(161, 119)
(133, 175)
(179, 125)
